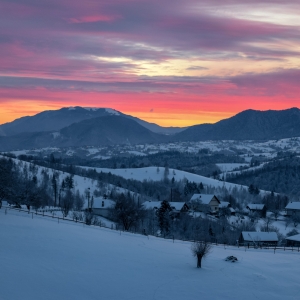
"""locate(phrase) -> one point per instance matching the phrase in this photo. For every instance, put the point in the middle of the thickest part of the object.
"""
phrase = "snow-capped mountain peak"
(112, 111)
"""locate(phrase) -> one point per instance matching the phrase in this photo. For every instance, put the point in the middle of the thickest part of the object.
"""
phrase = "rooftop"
(293, 205)
(260, 236)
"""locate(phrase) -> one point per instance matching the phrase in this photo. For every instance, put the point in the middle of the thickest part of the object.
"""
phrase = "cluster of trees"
(202, 163)
(280, 175)
(253, 189)
(194, 162)
(127, 212)
(191, 188)
(20, 184)
(166, 189)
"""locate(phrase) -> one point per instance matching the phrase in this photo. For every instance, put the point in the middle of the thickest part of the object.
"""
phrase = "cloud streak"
(170, 49)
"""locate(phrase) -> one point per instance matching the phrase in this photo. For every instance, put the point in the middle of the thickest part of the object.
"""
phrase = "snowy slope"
(81, 184)
(157, 174)
(41, 259)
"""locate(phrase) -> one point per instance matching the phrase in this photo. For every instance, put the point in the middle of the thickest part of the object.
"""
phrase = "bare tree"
(67, 202)
(78, 201)
(295, 219)
(200, 250)
(275, 213)
(268, 221)
(288, 221)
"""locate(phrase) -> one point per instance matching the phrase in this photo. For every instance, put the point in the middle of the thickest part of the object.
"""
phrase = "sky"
(171, 62)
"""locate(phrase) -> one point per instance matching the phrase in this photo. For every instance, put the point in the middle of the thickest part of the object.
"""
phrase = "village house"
(259, 209)
(293, 241)
(255, 238)
(205, 203)
(102, 207)
(292, 208)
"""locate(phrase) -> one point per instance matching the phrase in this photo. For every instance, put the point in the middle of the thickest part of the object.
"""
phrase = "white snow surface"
(112, 111)
(157, 174)
(91, 108)
(81, 184)
(41, 259)
(293, 205)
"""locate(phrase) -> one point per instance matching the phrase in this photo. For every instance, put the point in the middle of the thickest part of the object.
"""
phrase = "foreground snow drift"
(41, 259)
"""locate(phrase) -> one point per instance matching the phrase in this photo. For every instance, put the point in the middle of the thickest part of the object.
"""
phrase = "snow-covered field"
(81, 184)
(157, 174)
(41, 259)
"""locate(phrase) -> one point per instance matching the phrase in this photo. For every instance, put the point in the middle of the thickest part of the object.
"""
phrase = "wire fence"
(245, 246)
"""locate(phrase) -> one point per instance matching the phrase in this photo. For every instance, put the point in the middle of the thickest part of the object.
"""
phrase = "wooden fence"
(6, 209)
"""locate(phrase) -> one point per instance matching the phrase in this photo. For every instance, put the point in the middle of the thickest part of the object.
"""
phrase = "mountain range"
(78, 126)
(54, 120)
(248, 125)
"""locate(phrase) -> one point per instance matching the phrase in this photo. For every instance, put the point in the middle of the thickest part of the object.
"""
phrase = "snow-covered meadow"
(158, 173)
(41, 259)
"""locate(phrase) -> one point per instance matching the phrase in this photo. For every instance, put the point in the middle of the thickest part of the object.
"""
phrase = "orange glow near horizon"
(186, 63)
(164, 110)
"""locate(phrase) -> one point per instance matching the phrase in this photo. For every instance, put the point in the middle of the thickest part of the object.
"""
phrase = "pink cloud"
(48, 52)
(94, 18)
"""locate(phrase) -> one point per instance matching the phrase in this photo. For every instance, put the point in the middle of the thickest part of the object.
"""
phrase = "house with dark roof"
(259, 209)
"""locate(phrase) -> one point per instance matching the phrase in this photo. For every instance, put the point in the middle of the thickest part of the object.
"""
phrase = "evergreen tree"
(164, 217)
(54, 186)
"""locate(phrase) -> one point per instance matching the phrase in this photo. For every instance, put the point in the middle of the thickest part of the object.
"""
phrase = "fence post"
(6, 211)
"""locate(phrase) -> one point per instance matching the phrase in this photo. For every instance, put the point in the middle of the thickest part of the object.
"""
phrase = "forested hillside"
(281, 175)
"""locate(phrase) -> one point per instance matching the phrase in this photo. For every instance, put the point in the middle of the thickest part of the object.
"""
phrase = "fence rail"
(101, 225)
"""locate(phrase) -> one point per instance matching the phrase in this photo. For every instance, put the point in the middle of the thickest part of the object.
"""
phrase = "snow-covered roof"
(295, 238)
(259, 236)
(177, 205)
(224, 204)
(107, 203)
(205, 199)
(152, 204)
(293, 205)
(256, 206)
(91, 108)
